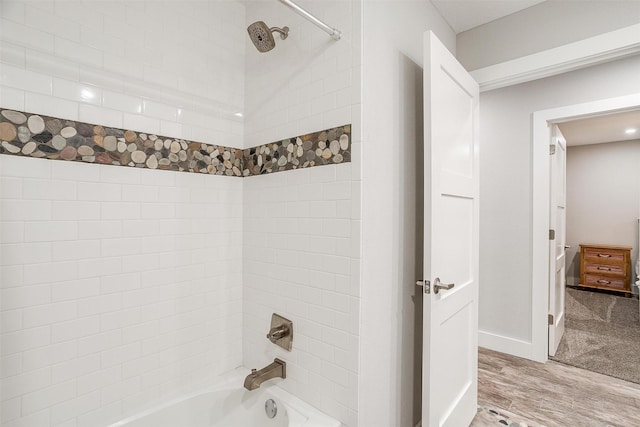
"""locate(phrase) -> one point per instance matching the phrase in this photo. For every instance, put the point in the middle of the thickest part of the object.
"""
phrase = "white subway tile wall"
(111, 291)
(110, 63)
(301, 260)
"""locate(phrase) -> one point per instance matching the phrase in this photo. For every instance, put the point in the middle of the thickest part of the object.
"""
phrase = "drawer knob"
(604, 282)
(604, 268)
(604, 255)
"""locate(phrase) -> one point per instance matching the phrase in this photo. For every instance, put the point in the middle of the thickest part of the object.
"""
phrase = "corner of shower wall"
(301, 228)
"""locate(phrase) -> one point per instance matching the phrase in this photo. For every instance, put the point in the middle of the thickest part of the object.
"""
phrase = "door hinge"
(552, 234)
(552, 149)
(551, 319)
(425, 284)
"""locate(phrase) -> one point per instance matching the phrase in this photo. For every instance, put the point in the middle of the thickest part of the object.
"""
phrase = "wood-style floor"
(553, 394)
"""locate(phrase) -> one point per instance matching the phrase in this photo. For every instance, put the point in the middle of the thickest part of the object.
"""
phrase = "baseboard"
(512, 346)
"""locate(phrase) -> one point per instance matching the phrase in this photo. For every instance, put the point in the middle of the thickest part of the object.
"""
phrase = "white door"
(450, 319)
(557, 241)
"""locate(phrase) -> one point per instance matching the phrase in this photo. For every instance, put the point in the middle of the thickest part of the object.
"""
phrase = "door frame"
(541, 205)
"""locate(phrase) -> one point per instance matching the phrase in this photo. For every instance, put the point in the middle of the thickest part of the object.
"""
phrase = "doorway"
(542, 123)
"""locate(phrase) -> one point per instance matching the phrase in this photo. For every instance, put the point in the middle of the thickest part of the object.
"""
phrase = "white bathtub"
(230, 405)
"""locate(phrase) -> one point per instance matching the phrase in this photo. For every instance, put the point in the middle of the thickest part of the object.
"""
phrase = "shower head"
(261, 36)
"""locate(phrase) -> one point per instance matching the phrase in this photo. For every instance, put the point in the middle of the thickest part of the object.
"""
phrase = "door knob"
(437, 286)
(567, 247)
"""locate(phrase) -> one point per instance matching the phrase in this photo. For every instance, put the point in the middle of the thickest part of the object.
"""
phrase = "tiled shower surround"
(53, 138)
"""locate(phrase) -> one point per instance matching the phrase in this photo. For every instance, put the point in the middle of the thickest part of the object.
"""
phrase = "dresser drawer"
(609, 270)
(602, 255)
(605, 281)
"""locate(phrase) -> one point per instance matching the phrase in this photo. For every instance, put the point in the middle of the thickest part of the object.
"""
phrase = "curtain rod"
(334, 33)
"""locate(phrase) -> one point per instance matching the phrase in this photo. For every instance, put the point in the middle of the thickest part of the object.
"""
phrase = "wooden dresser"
(606, 267)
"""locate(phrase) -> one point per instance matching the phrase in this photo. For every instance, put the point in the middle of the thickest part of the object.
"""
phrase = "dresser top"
(601, 246)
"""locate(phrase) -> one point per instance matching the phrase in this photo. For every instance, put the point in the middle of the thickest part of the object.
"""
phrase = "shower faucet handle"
(281, 332)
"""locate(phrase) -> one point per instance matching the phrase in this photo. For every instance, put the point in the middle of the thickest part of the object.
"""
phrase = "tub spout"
(276, 369)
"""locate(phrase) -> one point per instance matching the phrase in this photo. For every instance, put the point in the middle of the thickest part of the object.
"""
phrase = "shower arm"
(334, 33)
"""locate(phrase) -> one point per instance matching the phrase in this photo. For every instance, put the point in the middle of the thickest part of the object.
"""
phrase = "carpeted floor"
(602, 334)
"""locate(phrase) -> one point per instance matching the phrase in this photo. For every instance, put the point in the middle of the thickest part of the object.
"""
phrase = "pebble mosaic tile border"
(34, 135)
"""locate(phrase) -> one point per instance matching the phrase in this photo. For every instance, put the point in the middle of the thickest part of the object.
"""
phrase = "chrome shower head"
(261, 36)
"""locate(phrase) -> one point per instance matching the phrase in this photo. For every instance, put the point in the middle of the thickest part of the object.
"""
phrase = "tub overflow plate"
(270, 408)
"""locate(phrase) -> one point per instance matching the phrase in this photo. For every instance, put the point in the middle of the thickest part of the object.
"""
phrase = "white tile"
(99, 379)
(99, 229)
(97, 115)
(74, 368)
(51, 65)
(11, 276)
(25, 210)
(25, 167)
(75, 91)
(25, 296)
(119, 210)
(11, 232)
(140, 193)
(141, 123)
(41, 20)
(48, 355)
(120, 174)
(50, 105)
(122, 102)
(41, 399)
(75, 289)
(26, 339)
(75, 407)
(120, 247)
(74, 250)
(20, 78)
(119, 283)
(75, 210)
(10, 409)
(159, 110)
(41, 189)
(99, 191)
(12, 98)
(173, 129)
(10, 320)
(77, 52)
(119, 355)
(95, 267)
(48, 313)
(75, 171)
(24, 383)
(13, 54)
(73, 329)
(99, 342)
(49, 231)
(99, 304)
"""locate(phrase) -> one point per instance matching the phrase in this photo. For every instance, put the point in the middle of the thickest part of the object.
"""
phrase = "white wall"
(116, 64)
(549, 24)
(116, 288)
(603, 195)
(505, 192)
(115, 281)
(391, 221)
(302, 261)
(302, 228)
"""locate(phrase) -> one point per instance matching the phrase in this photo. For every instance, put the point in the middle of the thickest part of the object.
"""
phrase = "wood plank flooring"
(553, 394)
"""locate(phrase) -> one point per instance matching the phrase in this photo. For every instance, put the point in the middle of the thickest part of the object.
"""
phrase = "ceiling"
(462, 15)
(601, 129)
